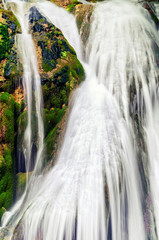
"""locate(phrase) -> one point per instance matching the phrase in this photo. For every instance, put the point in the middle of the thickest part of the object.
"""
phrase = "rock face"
(1, 4)
(7, 110)
(59, 67)
(83, 13)
(70, 4)
(151, 9)
(63, 3)
(60, 72)
(10, 74)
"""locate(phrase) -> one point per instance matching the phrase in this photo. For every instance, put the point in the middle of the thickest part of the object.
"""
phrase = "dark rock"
(36, 16)
(7, 70)
(38, 28)
(56, 50)
(61, 77)
(4, 16)
(151, 9)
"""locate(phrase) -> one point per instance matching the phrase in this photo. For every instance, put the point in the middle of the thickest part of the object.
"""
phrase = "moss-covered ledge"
(10, 69)
(9, 108)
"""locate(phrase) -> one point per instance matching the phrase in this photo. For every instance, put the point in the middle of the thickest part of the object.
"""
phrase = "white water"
(157, 9)
(123, 54)
(94, 191)
(31, 80)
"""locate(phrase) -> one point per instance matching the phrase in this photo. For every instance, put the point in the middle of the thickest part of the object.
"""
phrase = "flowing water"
(123, 57)
(97, 189)
(31, 84)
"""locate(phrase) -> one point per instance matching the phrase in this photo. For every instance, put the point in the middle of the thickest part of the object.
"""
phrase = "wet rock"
(36, 16)
(38, 28)
(1, 5)
(70, 4)
(10, 67)
(63, 3)
(59, 68)
(60, 73)
(149, 5)
(83, 13)
(21, 183)
(4, 234)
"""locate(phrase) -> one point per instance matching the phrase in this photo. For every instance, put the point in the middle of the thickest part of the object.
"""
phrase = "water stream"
(110, 153)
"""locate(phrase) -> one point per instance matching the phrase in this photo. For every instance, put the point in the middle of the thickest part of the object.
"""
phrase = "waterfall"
(31, 80)
(32, 93)
(97, 189)
(123, 57)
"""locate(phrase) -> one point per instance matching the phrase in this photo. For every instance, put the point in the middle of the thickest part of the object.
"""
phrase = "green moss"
(64, 54)
(21, 179)
(78, 70)
(4, 98)
(53, 119)
(9, 26)
(64, 96)
(10, 16)
(50, 144)
(22, 124)
(61, 77)
(18, 108)
(48, 66)
(7, 122)
(71, 6)
(6, 181)
(2, 166)
(7, 104)
(42, 20)
(2, 211)
(59, 42)
(5, 45)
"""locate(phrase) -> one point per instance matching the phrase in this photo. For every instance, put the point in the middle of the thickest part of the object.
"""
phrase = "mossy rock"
(70, 4)
(10, 66)
(22, 124)
(6, 150)
(7, 105)
(8, 112)
(4, 234)
(53, 123)
(83, 13)
(60, 72)
(59, 68)
(21, 179)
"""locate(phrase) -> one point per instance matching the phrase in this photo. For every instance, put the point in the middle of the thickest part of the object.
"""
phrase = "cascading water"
(31, 79)
(123, 56)
(94, 191)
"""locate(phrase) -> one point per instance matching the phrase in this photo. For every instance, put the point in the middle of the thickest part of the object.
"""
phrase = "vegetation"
(6, 151)
(9, 109)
